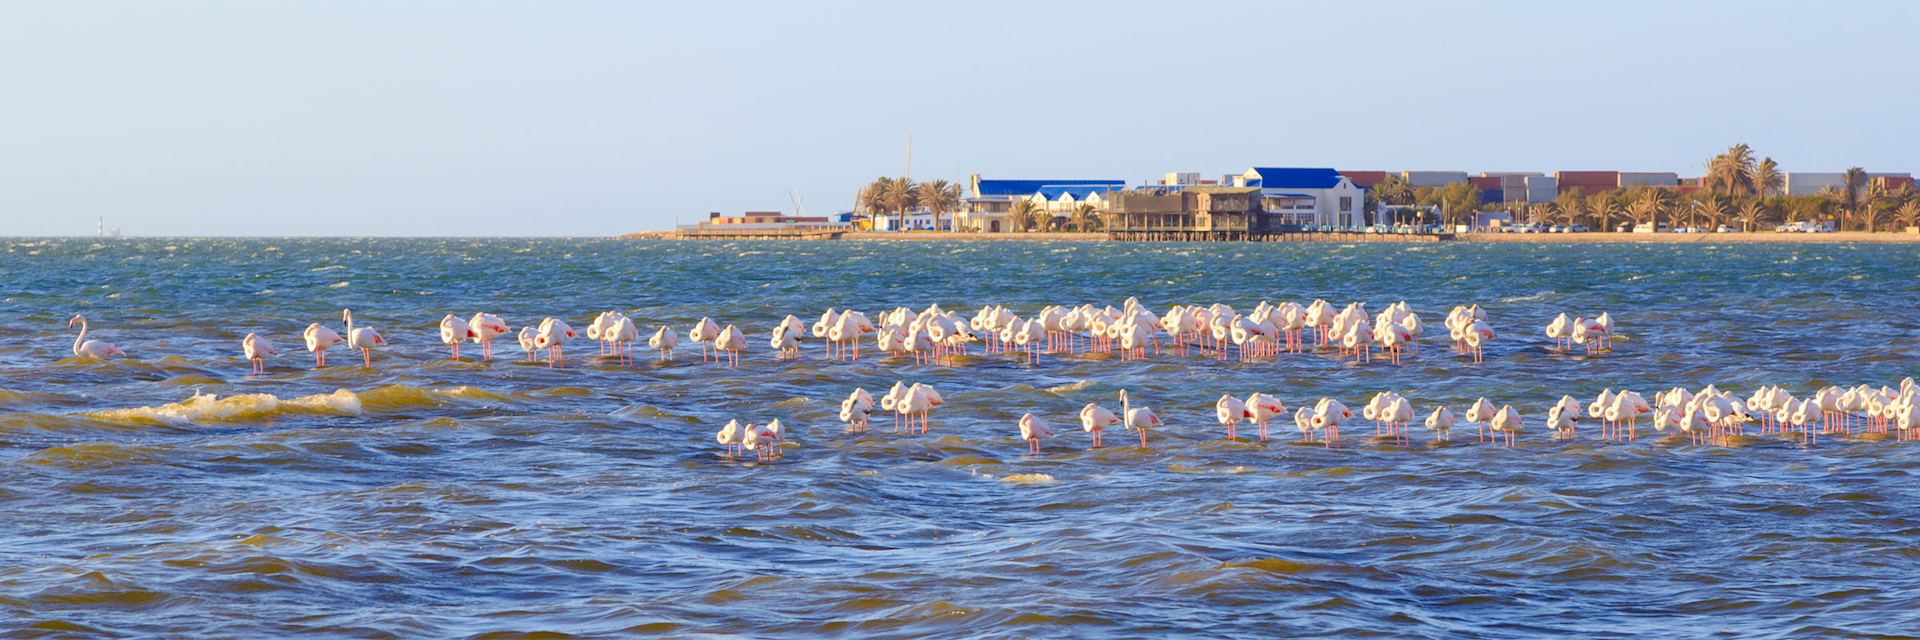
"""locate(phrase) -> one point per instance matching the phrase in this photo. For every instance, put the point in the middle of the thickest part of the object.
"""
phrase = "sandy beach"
(1755, 237)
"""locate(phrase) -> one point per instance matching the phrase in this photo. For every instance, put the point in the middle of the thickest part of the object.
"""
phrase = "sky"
(485, 118)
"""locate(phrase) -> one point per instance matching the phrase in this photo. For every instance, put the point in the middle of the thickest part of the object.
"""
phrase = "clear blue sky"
(525, 118)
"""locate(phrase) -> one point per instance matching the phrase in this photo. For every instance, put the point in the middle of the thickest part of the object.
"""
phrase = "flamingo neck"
(80, 339)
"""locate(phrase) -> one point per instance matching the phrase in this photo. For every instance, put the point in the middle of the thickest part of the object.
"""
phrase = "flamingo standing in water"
(1095, 419)
(1440, 422)
(553, 336)
(663, 341)
(1033, 430)
(454, 331)
(529, 339)
(484, 328)
(857, 409)
(364, 338)
(1327, 415)
(1262, 408)
(729, 436)
(1480, 413)
(621, 334)
(1506, 421)
(919, 399)
(319, 338)
(703, 333)
(1476, 336)
(1138, 418)
(257, 350)
(731, 341)
(91, 349)
(1560, 330)
(1230, 411)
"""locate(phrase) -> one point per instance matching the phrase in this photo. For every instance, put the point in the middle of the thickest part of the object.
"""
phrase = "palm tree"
(1571, 204)
(1908, 214)
(1711, 209)
(1751, 213)
(939, 197)
(1854, 179)
(869, 201)
(1023, 215)
(1766, 178)
(1602, 207)
(899, 195)
(1870, 216)
(1085, 218)
(1731, 172)
(1540, 213)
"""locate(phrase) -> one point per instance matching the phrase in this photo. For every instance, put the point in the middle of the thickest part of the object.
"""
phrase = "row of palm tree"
(1747, 211)
(898, 196)
(1024, 216)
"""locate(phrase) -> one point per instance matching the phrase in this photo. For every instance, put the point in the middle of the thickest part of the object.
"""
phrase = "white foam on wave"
(208, 408)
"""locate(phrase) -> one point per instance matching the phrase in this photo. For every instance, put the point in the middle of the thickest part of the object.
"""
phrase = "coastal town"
(1736, 192)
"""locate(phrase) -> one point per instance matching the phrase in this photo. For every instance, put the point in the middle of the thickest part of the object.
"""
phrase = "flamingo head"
(77, 319)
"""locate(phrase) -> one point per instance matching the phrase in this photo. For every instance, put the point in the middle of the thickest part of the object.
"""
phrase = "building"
(765, 220)
(1307, 195)
(1806, 183)
(1648, 179)
(1418, 179)
(1363, 178)
(988, 201)
(1227, 213)
(921, 220)
(1588, 182)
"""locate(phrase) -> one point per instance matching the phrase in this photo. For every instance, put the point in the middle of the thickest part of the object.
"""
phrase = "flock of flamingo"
(1707, 416)
(936, 335)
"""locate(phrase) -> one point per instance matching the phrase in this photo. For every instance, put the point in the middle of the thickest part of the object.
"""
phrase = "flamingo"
(729, 436)
(483, 328)
(454, 331)
(364, 338)
(1562, 420)
(921, 399)
(785, 341)
(553, 336)
(1560, 330)
(1327, 415)
(857, 409)
(621, 334)
(1480, 413)
(778, 434)
(891, 402)
(91, 349)
(1441, 423)
(319, 338)
(1138, 418)
(257, 350)
(703, 333)
(1627, 407)
(529, 339)
(1230, 411)
(1095, 419)
(1605, 321)
(1033, 430)
(1507, 421)
(1476, 336)
(1262, 408)
(731, 341)
(751, 440)
(663, 341)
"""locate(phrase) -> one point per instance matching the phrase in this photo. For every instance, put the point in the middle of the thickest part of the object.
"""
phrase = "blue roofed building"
(988, 201)
(1307, 195)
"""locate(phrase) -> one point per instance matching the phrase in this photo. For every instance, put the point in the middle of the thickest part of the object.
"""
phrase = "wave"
(262, 407)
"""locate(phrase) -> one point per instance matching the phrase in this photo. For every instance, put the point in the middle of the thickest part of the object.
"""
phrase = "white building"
(1307, 195)
(988, 201)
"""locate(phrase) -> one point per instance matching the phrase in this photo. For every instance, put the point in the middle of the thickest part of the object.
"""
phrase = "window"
(1346, 203)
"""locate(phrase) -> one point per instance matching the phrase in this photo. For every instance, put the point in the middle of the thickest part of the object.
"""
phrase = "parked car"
(1578, 228)
(1558, 229)
(1723, 229)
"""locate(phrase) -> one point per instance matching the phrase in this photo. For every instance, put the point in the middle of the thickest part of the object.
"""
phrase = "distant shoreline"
(1762, 237)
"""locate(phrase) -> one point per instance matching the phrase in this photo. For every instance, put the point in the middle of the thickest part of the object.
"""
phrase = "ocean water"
(170, 493)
